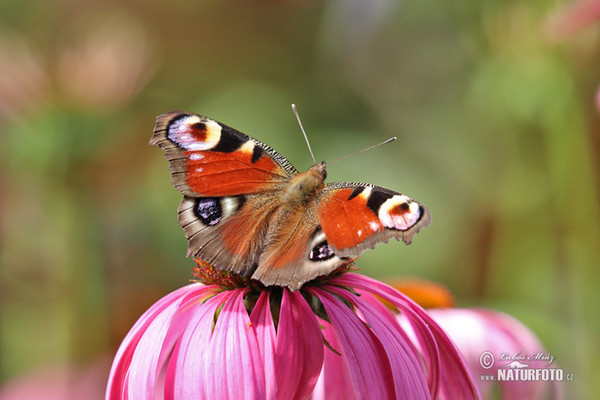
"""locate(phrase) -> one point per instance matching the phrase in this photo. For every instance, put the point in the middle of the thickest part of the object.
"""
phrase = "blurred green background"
(492, 103)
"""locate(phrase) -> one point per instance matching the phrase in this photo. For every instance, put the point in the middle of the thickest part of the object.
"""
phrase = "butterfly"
(246, 209)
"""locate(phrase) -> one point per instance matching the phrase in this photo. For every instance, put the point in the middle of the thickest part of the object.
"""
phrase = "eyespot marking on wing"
(400, 212)
(375, 198)
(208, 210)
(320, 250)
(192, 133)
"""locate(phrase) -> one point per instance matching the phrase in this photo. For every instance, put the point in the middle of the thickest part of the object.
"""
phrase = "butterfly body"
(246, 209)
(305, 187)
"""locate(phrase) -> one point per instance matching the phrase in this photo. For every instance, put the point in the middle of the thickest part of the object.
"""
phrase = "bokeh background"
(493, 104)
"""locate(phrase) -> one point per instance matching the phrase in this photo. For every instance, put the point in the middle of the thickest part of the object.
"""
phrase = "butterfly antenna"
(360, 151)
(304, 133)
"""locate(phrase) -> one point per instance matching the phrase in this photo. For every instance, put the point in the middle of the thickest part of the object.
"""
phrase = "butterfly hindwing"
(298, 252)
(252, 237)
(228, 232)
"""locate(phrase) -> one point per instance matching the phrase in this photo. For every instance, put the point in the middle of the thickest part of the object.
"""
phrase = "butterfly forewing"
(366, 215)
(208, 158)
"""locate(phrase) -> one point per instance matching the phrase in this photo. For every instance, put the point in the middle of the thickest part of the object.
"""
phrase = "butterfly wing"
(235, 217)
(297, 250)
(229, 182)
(345, 220)
(208, 158)
(355, 217)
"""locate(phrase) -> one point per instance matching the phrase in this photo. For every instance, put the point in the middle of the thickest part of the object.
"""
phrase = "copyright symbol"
(486, 360)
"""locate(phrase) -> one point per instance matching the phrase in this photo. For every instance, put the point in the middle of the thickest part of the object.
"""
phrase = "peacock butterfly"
(246, 209)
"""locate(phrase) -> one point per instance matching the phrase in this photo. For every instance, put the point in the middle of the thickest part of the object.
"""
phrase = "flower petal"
(189, 376)
(366, 358)
(334, 380)
(143, 368)
(262, 323)
(477, 330)
(408, 377)
(299, 351)
(458, 383)
(234, 354)
(221, 362)
(117, 381)
(424, 339)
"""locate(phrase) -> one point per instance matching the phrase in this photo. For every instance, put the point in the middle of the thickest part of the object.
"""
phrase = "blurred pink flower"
(572, 17)
(106, 64)
(491, 340)
(488, 340)
(58, 382)
(336, 340)
(23, 78)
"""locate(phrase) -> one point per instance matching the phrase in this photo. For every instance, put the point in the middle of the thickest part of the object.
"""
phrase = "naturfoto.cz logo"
(522, 367)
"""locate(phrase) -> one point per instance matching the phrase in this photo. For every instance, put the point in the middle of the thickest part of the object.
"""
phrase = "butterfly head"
(306, 186)
(319, 170)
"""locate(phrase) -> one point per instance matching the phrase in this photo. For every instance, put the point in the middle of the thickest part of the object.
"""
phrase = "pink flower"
(334, 340)
(58, 382)
(572, 17)
(491, 340)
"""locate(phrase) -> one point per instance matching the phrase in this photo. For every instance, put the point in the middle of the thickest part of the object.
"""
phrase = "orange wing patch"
(347, 223)
(213, 173)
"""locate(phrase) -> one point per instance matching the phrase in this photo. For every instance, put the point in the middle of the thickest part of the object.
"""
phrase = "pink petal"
(155, 346)
(391, 320)
(144, 363)
(335, 377)
(366, 358)
(299, 351)
(408, 377)
(189, 376)
(119, 371)
(262, 323)
(235, 358)
(476, 331)
(221, 362)
(455, 377)
(424, 336)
